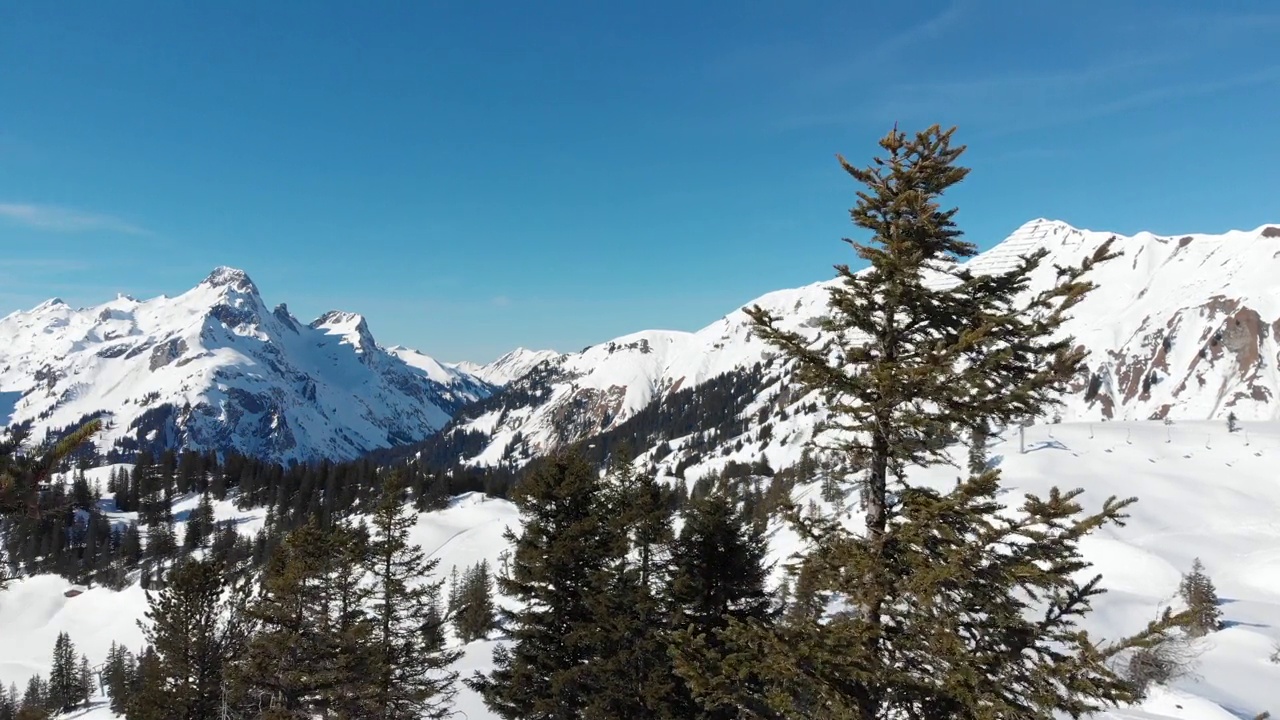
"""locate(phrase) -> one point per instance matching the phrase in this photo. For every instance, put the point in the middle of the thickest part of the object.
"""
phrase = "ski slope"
(1203, 492)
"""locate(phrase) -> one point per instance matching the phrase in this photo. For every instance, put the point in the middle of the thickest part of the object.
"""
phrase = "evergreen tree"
(472, 606)
(35, 701)
(932, 592)
(9, 700)
(200, 525)
(194, 632)
(84, 680)
(304, 654)
(411, 677)
(64, 676)
(118, 677)
(555, 572)
(718, 575)
(633, 675)
(146, 698)
(1233, 424)
(1201, 597)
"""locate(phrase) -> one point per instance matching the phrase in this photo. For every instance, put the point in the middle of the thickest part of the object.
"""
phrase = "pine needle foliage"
(412, 679)
(939, 605)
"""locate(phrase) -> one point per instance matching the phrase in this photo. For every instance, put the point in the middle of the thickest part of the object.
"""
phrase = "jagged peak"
(234, 278)
(350, 325)
(54, 302)
(335, 318)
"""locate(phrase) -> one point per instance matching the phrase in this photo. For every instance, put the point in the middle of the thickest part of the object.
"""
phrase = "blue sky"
(473, 176)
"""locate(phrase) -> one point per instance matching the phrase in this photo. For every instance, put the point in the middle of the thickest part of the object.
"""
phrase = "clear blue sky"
(473, 176)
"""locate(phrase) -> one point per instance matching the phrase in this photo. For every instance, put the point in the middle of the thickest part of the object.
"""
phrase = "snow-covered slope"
(1181, 327)
(1203, 492)
(509, 367)
(213, 368)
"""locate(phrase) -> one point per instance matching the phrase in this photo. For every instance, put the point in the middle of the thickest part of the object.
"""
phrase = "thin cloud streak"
(54, 218)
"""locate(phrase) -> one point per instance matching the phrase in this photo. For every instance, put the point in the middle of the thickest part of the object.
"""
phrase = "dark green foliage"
(64, 679)
(410, 677)
(9, 702)
(310, 651)
(194, 630)
(84, 680)
(937, 587)
(471, 604)
(633, 675)
(556, 573)
(1197, 591)
(35, 701)
(119, 675)
(718, 575)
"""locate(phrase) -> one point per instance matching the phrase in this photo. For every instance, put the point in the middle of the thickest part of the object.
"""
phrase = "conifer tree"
(932, 593)
(64, 676)
(633, 675)
(35, 701)
(411, 677)
(118, 677)
(555, 572)
(8, 702)
(472, 608)
(718, 574)
(194, 631)
(84, 680)
(1201, 597)
(147, 699)
(304, 653)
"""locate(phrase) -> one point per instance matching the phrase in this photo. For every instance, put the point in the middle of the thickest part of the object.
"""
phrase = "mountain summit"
(213, 369)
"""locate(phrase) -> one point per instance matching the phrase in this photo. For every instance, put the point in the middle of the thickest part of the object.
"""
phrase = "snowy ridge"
(213, 368)
(509, 367)
(1183, 327)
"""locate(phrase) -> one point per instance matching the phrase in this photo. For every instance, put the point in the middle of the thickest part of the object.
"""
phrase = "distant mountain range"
(1183, 327)
(213, 368)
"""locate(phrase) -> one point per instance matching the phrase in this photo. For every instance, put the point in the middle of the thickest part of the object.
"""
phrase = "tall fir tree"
(84, 681)
(934, 590)
(412, 677)
(633, 675)
(64, 676)
(471, 606)
(305, 654)
(555, 573)
(718, 575)
(194, 629)
(35, 700)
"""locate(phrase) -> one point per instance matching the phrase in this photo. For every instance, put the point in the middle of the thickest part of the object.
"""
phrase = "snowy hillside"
(1184, 327)
(1203, 492)
(213, 368)
(509, 367)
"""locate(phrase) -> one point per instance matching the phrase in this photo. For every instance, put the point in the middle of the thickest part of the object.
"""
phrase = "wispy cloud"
(55, 218)
(500, 301)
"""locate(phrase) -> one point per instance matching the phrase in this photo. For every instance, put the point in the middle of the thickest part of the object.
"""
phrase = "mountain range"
(1180, 327)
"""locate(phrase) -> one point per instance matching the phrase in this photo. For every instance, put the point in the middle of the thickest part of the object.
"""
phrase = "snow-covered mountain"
(1184, 327)
(511, 366)
(214, 368)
